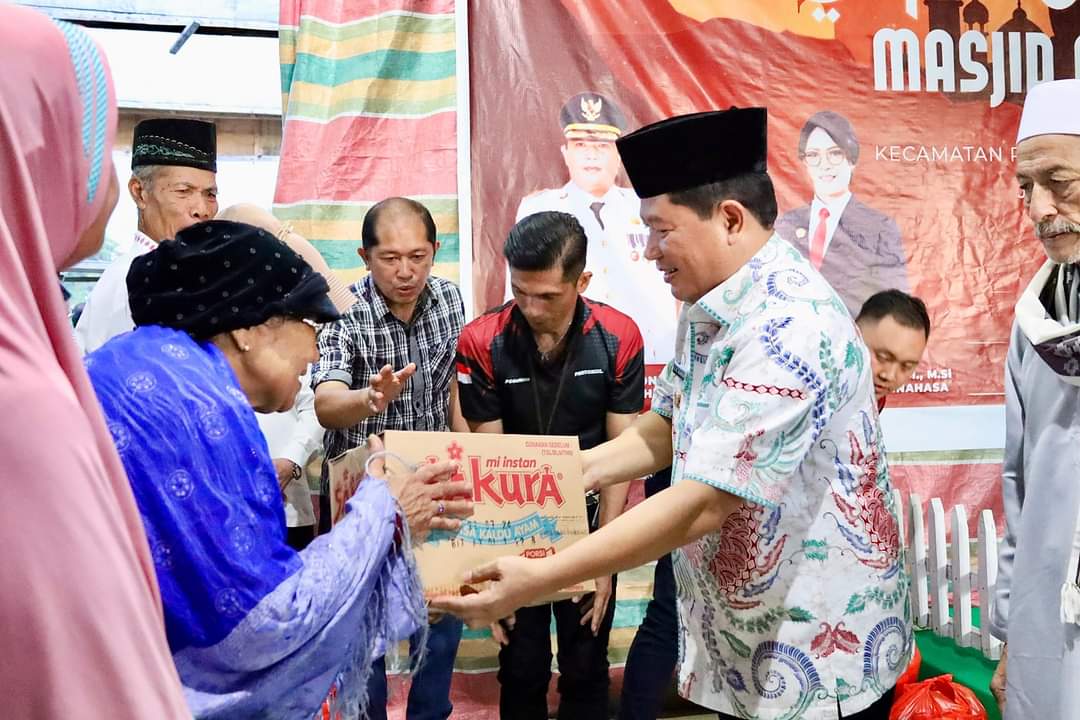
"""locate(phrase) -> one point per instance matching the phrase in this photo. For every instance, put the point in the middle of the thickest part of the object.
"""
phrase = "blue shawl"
(256, 629)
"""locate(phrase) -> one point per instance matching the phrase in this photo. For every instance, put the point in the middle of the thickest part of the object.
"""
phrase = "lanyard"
(542, 427)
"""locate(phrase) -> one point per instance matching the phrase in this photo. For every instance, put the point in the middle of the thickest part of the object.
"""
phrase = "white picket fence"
(934, 563)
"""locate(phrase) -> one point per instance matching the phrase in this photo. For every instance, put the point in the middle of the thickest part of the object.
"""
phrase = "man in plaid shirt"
(388, 364)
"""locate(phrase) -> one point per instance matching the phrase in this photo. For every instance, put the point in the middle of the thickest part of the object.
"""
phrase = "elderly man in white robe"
(1037, 604)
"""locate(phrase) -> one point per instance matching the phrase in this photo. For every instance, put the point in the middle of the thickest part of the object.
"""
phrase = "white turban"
(1051, 108)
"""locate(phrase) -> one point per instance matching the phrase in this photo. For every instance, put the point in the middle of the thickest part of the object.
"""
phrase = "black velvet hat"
(690, 150)
(591, 116)
(175, 141)
(219, 275)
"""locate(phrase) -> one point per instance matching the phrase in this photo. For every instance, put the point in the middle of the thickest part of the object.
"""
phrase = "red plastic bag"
(938, 698)
(911, 675)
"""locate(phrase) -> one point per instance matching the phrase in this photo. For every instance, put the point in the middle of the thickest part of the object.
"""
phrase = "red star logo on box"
(454, 451)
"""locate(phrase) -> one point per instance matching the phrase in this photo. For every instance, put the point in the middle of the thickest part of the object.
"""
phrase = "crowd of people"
(167, 560)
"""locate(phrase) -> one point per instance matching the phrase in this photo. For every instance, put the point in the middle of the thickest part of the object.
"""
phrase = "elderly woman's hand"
(429, 498)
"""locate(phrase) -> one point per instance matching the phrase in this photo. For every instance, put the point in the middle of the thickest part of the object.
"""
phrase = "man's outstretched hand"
(512, 582)
(385, 386)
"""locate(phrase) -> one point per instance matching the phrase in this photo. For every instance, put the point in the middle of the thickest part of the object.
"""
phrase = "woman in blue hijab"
(225, 325)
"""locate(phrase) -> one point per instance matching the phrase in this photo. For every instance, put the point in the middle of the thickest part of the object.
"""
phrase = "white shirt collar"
(610, 196)
(836, 206)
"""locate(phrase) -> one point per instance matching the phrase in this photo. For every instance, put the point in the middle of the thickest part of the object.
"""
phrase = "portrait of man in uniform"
(857, 248)
(611, 216)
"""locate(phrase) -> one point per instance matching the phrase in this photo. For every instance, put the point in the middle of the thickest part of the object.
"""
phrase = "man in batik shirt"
(791, 588)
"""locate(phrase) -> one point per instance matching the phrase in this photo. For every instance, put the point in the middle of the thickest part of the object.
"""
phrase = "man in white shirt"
(293, 437)
(1036, 604)
(173, 166)
(611, 217)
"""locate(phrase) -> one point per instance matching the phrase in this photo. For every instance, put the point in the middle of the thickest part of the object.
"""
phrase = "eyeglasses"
(306, 321)
(834, 155)
(316, 326)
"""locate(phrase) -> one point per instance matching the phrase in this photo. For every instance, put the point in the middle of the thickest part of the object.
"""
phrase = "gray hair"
(145, 175)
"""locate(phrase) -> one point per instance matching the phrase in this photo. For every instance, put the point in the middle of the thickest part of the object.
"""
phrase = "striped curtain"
(368, 102)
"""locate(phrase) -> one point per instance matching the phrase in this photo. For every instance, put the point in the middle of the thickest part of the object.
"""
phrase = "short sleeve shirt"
(622, 276)
(369, 336)
(500, 374)
(799, 603)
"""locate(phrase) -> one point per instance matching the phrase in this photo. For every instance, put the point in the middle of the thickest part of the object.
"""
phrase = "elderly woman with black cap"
(225, 317)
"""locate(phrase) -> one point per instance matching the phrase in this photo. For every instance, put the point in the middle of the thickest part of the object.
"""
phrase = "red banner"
(922, 101)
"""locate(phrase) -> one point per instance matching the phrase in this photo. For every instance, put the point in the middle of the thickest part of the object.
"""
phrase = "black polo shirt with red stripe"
(502, 375)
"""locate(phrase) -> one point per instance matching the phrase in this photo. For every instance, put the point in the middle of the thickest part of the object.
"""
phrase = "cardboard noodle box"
(528, 495)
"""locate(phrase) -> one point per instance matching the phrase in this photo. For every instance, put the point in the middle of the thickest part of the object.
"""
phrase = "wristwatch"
(297, 471)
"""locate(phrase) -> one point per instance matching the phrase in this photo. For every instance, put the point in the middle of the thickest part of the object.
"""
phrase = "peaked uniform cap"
(591, 116)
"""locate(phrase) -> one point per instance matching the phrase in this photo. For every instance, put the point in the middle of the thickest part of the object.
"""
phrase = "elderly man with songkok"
(173, 185)
(225, 319)
(791, 590)
(1037, 604)
(80, 615)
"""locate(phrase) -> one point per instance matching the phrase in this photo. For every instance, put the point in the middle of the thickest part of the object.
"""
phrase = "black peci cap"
(175, 141)
(686, 151)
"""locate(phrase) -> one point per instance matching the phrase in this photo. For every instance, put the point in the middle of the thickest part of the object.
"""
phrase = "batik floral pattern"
(800, 600)
(867, 519)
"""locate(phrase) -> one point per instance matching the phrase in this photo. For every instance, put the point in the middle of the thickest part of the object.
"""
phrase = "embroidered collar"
(143, 242)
